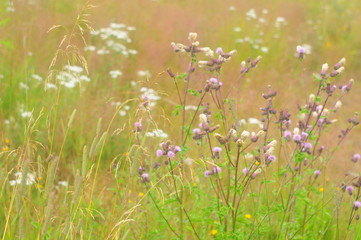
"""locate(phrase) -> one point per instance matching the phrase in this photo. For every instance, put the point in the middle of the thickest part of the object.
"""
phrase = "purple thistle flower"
(304, 136)
(245, 171)
(219, 51)
(177, 149)
(297, 138)
(171, 154)
(217, 169)
(196, 131)
(356, 157)
(287, 135)
(213, 80)
(159, 153)
(349, 189)
(357, 204)
(207, 173)
(316, 173)
(307, 147)
(145, 177)
(217, 149)
(137, 124)
(271, 158)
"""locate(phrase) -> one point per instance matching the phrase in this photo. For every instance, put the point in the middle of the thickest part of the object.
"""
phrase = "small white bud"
(203, 118)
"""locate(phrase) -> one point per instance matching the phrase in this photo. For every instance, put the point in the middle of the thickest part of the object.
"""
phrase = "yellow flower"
(321, 189)
(5, 149)
(127, 154)
(248, 216)
(7, 141)
(141, 194)
(257, 163)
(194, 184)
(214, 232)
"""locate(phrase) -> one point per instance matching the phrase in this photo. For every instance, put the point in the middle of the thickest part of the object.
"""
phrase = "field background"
(330, 27)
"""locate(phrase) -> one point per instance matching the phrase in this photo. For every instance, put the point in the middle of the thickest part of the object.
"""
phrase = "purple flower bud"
(213, 80)
(207, 173)
(316, 173)
(216, 169)
(356, 157)
(138, 126)
(177, 149)
(307, 147)
(349, 189)
(219, 51)
(217, 149)
(170, 154)
(271, 158)
(245, 171)
(145, 177)
(304, 136)
(297, 138)
(196, 131)
(141, 170)
(287, 135)
(159, 153)
(319, 108)
(357, 204)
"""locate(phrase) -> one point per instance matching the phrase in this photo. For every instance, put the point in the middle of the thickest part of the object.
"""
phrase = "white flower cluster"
(123, 111)
(113, 40)
(251, 121)
(29, 180)
(157, 133)
(71, 76)
(115, 73)
(260, 25)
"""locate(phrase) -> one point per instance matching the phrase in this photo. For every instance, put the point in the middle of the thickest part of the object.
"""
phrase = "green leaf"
(193, 92)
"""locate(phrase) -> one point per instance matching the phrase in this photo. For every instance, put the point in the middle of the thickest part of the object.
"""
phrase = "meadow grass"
(121, 122)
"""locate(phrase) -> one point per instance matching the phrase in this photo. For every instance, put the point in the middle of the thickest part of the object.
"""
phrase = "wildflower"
(217, 149)
(207, 173)
(287, 135)
(63, 183)
(349, 189)
(339, 64)
(138, 126)
(321, 189)
(141, 194)
(337, 72)
(316, 173)
(248, 216)
(271, 158)
(214, 232)
(159, 153)
(203, 118)
(245, 135)
(324, 69)
(245, 171)
(356, 157)
(297, 138)
(171, 154)
(145, 177)
(338, 105)
(29, 179)
(217, 169)
(307, 147)
(357, 204)
(300, 52)
(177, 149)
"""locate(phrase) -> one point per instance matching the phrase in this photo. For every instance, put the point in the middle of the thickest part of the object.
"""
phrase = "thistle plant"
(260, 182)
